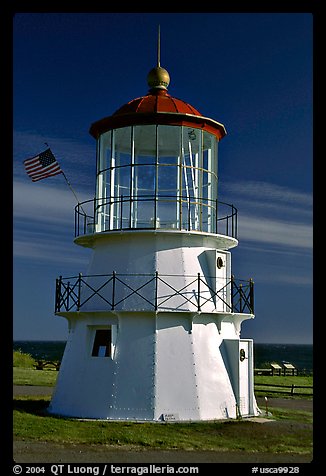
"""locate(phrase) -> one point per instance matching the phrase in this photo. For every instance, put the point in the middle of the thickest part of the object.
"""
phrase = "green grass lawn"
(32, 423)
(282, 381)
(24, 372)
(22, 376)
(290, 433)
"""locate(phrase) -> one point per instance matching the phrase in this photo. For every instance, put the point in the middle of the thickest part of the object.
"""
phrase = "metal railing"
(143, 212)
(152, 292)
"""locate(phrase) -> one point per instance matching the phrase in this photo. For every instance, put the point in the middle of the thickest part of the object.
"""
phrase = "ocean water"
(41, 349)
(300, 355)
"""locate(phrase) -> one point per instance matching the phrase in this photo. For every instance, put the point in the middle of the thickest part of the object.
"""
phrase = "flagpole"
(70, 186)
(46, 165)
(73, 191)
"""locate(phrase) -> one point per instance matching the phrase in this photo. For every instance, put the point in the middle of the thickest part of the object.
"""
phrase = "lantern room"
(156, 164)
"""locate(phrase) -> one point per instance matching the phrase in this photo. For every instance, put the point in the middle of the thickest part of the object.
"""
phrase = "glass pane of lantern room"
(145, 144)
(169, 150)
(144, 205)
(143, 176)
(191, 179)
(103, 181)
(209, 182)
(120, 179)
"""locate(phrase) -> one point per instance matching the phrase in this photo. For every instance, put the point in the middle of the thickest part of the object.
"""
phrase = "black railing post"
(113, 289)
(121, 211)
(75, 222)
(240, 296)
(58, 294)
(68, 292)
(85, 223)
(251, 294)
(189, 214)
(78, 220)
(232, 293)
(79, 289)
(216, 212)
(156, 289)
(232, 221)
(95, 218)
(198, 290)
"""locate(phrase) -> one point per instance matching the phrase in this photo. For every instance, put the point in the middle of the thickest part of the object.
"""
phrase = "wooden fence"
(47, 365)
(288, 389)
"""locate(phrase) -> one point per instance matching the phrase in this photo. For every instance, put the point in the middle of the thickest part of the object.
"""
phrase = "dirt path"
(44, 452)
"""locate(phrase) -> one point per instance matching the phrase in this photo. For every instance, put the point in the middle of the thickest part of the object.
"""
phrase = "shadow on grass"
(34, 407)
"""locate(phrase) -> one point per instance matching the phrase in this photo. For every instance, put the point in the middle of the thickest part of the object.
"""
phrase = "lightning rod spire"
(158, 78)
(159, 47)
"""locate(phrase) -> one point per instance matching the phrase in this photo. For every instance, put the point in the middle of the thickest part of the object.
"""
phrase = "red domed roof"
(157, 101)
(157, 107)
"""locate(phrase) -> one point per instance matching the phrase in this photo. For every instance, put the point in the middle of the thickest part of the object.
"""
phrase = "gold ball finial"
(158, 78)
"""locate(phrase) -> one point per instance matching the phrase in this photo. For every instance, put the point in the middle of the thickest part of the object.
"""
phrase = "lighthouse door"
(238, 358)
(244, 377)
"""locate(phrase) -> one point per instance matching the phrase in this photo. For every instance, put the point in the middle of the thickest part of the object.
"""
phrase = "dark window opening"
(102, 343)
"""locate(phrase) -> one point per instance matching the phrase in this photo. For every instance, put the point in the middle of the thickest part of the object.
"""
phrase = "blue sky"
(250, 71)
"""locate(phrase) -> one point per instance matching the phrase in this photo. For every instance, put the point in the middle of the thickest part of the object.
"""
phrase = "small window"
(102, 343)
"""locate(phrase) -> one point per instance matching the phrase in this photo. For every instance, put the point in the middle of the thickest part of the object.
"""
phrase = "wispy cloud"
(38, 249)
(44, 221)
(272, 214)
(267, 192)
(50, 201)
(275, 232)
(295, 279)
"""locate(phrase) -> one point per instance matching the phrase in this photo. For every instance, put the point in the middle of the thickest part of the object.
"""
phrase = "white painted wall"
(163, 364)
(177, 257)
(176, 389)
(178, 362)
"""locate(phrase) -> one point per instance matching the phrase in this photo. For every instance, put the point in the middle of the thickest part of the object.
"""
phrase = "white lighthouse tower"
(154, 326)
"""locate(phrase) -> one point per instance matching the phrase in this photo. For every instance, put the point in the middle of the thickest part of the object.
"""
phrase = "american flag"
(42, 166)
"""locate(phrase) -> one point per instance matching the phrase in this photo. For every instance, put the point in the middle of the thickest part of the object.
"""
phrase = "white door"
(244, 378)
